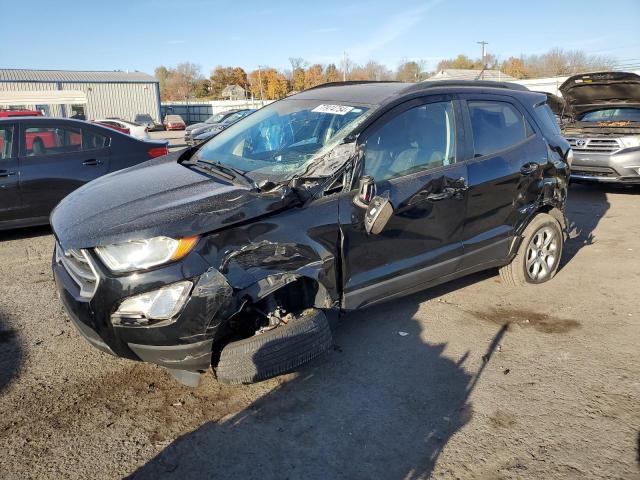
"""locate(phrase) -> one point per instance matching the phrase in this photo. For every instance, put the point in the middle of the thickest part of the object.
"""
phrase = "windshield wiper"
(231, 172)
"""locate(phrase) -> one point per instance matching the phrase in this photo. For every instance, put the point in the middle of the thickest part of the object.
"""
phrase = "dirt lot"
(542, 382)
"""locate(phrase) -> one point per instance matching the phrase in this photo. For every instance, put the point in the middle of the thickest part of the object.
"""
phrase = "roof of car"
(377, 93)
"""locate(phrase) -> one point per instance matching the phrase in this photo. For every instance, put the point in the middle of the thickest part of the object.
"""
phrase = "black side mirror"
(366, 191)
(378, 214)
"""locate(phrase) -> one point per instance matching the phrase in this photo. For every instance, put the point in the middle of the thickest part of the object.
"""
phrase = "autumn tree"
(370, 71)
(331, 73)
(313, 76)
(162, 75)
(268, 84)
(223, 76)
(460, 62)
(514, 67)
(297, 73)
(202, 88)
(181, 81)
(410, 71)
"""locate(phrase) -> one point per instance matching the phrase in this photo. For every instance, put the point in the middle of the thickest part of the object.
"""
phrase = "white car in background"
(135, 129)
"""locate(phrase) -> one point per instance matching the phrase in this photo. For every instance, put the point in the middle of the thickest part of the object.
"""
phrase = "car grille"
(79, 267)
(594, 145)
(593, 171)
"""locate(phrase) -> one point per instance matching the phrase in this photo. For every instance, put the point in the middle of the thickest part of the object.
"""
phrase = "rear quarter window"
(547, 119)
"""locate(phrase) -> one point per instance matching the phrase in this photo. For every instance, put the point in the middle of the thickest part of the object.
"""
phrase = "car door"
(506, 156)
(11, 208)
(411, 154)
(55, 159)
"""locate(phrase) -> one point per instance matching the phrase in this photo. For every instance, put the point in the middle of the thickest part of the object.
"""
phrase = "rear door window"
(51, 140)
(496, 126)
(6, 142)
(94, 141)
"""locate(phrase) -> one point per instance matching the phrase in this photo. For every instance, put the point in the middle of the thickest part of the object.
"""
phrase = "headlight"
(139, 254)
(570, 156)
(161, 304)
(631, 141)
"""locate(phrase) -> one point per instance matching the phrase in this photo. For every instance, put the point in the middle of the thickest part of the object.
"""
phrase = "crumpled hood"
(158, 197)
(593, 91)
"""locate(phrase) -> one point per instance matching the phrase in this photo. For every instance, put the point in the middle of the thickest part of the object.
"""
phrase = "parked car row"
(201, 132)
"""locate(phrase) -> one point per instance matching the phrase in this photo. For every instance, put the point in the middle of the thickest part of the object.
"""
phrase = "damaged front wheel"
(275, 351)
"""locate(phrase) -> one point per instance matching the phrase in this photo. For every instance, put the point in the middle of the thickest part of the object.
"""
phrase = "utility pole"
(260, 81)
(483, 43)
(344, 66)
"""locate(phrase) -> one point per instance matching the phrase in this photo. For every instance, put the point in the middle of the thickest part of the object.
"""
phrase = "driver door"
(411, 154)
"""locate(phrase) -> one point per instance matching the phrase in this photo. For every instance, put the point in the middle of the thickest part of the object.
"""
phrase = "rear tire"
(539, 253)
(275, 352)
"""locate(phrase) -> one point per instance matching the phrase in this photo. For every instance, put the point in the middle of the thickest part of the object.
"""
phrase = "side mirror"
(378, 214)
(366, 191)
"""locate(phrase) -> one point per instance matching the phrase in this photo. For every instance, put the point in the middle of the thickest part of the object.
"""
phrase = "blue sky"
(142, 34)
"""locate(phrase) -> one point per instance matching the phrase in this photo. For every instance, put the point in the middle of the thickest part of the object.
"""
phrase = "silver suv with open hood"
(604, 126)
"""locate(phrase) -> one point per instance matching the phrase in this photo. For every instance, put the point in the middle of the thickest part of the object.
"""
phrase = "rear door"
(411, 154)
(10, 202)
(506, 156)
(55, 159)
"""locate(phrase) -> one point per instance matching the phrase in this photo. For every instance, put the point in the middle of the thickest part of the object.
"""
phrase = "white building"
(88, 94)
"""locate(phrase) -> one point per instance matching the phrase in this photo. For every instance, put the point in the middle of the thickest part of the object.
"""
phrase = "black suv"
(238, 253)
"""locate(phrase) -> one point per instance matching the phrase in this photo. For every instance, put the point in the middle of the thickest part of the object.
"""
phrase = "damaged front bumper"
(182, 344)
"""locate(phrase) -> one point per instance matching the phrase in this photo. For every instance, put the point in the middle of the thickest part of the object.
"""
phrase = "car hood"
(158, 197)
(594, 91)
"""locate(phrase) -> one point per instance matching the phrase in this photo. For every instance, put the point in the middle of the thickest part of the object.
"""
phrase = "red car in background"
(174, 122)
(113, 126)
(19, 113)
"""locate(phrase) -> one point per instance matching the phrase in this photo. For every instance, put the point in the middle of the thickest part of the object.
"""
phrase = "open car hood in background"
(593, 91)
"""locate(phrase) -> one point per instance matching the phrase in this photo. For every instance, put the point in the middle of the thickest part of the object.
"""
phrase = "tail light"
(158, 152)
(127, 131)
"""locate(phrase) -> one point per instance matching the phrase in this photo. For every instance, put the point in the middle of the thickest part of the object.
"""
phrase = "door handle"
(92, 163)
(529, 168)
(6, 173)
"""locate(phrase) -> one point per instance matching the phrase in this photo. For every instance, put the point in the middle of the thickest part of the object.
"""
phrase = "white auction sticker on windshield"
(334, 109)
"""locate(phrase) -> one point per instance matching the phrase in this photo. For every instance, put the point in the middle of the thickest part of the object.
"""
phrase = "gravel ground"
(540, 382)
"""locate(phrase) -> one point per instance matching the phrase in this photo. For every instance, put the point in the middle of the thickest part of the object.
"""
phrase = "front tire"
(275, 352)
(539, 253)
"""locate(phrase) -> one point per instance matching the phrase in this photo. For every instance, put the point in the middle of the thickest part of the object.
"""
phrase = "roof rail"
(465, 83)
(349, 82)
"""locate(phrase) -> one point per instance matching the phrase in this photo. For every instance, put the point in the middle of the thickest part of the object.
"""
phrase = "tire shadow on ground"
(11, 352)
(382, 405)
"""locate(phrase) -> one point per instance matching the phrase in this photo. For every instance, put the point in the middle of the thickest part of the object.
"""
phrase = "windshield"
(234, 117)
(612, 115)
(143, 118)
(217, 118)
(281, 139)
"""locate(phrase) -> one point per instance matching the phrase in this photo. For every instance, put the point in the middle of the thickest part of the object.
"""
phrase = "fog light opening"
(152, 307)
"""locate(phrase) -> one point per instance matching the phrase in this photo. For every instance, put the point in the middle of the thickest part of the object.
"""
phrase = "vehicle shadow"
(383, 404)
(11, 354)
(586, 206)
(24, 233)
